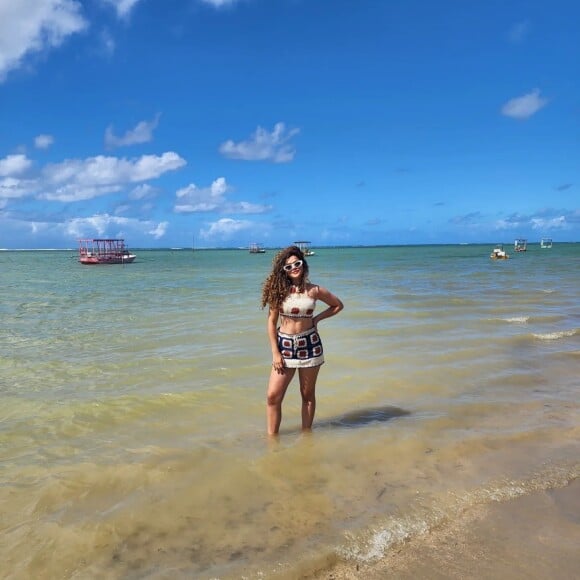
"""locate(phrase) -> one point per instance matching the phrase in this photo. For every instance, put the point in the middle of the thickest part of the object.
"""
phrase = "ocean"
(132, 423)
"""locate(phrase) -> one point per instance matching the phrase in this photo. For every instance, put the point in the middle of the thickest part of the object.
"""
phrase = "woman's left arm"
(334, 305)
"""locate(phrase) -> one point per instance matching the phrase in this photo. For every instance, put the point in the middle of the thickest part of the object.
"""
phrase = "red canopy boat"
(104, 251)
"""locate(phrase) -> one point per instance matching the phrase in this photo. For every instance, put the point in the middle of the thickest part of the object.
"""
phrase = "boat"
(256, 248)
(304, 248)
(521, 245)
(498, 253)
(546, 243)
(104, 251)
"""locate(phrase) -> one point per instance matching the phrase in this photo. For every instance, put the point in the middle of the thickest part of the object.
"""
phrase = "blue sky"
(225, 122)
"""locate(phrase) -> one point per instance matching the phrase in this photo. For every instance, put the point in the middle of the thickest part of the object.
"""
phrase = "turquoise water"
(132, 425)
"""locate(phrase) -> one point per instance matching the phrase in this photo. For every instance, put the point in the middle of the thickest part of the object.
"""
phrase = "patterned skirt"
(301, 350)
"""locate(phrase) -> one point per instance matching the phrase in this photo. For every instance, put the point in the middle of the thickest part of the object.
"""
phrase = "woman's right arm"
(272, 326)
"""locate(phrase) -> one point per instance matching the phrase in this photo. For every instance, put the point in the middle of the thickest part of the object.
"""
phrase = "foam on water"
(517, 319)
(373, 545)
(556, 335)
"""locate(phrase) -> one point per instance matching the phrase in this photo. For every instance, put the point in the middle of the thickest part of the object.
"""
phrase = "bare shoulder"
(325, 295)
(316, 291)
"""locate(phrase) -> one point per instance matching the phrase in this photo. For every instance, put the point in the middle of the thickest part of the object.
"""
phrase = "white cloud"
(14, 165)
(72, 192)
(220, 3)
(263, 146)
(123, 7)
(506, 224)
(107, 42)
(81, 179)
(43, 141)
(123, 208)
(246, 207)
(12, 188)
(226, 228)
(195, 199)
(556, 223)
(101, 225)
(35, 26)
(159, 230)
(143, 191)
(525, 106)
(98, 225)
(543, 220)
(192, 199)
(142, 133)
(519, 31)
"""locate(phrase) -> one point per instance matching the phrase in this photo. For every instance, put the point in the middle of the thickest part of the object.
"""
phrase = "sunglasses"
(296, 264)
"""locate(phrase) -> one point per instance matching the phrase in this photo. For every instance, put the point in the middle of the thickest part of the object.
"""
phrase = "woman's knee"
(275, 394)
(274, 398)
(308, 394)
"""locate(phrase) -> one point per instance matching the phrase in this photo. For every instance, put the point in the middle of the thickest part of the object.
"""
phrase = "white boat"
(304, 248)
(256, 248)
(546, 243)
(498, 253)
(521, 245)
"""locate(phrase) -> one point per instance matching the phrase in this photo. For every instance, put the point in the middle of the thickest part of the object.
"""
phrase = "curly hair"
(277, 285)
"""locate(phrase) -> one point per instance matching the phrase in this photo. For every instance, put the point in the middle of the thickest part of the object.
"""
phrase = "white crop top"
(298, 305)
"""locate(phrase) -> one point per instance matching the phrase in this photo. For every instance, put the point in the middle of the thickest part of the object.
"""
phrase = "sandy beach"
(533, 537)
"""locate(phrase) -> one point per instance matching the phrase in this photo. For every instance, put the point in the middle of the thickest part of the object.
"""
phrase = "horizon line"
(208, 248)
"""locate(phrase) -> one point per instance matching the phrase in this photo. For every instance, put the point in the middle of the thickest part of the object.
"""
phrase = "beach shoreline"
(532, 537)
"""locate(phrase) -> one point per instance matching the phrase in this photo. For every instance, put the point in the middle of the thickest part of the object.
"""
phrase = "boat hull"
(98, 260)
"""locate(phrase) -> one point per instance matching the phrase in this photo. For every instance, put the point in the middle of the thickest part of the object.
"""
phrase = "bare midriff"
(290, 325)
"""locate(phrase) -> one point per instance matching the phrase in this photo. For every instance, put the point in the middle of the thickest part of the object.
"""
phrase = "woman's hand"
(278, 363)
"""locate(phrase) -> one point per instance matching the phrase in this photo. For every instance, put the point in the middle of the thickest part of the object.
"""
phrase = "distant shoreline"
(275, 248)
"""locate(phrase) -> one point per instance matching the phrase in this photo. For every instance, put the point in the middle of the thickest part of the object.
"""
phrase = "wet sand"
(533, 537)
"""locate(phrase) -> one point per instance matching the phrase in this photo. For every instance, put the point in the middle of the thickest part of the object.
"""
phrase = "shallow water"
(132, 421)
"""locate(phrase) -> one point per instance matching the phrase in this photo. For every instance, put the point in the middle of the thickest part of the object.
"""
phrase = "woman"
(296, 343)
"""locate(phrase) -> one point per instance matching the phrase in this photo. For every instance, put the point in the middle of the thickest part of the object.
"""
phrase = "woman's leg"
(277, 386)
(308, 378)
